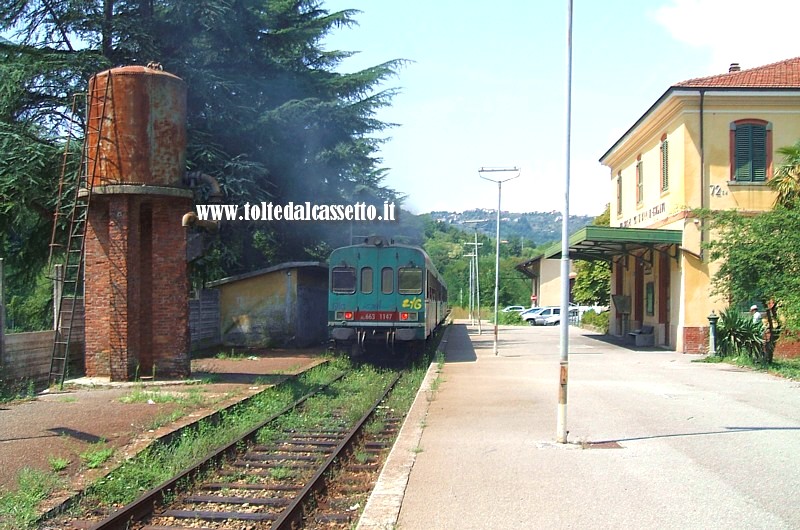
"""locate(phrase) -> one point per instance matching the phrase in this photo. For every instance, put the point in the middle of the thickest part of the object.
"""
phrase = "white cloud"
(750, 33)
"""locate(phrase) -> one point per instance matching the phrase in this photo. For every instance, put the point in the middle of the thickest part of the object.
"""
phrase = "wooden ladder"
(73, 215)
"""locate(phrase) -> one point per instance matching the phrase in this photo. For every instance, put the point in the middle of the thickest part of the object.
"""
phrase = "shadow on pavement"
(727, 430)
(459, 346)
(78, 435)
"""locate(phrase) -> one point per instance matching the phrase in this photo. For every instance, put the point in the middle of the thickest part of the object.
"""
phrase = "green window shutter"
(759, 153)
(751, 153)
(743, 152)
(664, 166)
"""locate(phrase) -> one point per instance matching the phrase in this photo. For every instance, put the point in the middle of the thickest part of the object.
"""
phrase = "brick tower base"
(136, 283)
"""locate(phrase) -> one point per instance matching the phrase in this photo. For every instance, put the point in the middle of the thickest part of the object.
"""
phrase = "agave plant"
(738, 334)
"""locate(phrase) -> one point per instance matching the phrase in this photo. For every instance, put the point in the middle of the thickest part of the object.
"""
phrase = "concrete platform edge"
(383, 506)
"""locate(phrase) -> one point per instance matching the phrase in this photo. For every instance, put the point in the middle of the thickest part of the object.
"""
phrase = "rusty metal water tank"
(139, 115)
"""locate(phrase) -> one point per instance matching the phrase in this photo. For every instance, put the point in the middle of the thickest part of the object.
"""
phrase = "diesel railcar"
(382, 292)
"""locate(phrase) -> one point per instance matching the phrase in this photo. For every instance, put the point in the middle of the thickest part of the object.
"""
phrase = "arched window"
(751, 150)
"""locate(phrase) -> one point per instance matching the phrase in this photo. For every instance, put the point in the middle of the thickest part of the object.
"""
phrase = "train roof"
(382, 242)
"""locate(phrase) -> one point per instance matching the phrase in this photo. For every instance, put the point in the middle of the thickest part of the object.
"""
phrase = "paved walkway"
(656, 441)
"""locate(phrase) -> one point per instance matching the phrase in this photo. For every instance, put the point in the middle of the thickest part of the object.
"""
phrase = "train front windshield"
(343, 280)
(409, 280)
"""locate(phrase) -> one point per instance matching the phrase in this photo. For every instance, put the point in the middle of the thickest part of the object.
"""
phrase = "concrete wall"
(26, 357)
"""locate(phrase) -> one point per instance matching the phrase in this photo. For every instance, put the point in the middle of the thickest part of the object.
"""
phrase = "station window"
(387, 280)
(619, 193)
(343, 280)
(664, 163)
(409, 280)
(751, 150)
(639, 181)
(366, 280)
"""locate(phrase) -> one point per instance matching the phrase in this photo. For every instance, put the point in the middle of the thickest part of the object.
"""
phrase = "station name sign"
(644, 215)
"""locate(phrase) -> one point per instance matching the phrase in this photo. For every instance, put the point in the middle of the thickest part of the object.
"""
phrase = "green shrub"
(511, 318)
(591, 319)
(738, 335)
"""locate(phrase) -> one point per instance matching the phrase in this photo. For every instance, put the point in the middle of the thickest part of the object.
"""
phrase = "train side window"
(387, 280)
(343, 280)
(409, 280)
(366, 280)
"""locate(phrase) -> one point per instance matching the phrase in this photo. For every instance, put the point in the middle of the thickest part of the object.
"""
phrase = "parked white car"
(530, 314)
(548, 316)
(514, 308)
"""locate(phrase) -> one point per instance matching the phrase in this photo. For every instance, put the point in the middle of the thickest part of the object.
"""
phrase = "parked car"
(514, 308)
(530, 314)
(548, 316)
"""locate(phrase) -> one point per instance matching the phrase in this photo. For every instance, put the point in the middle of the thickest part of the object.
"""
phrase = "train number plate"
(376, 316)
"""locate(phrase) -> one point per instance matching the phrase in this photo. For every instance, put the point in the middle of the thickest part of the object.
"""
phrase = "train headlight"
(412, 317)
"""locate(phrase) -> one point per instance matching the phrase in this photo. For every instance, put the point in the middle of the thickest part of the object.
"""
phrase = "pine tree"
(268, 114)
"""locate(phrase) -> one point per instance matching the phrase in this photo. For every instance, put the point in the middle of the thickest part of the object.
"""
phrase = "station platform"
(656, 440)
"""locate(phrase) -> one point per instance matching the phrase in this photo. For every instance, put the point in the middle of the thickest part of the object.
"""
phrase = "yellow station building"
(705, 143)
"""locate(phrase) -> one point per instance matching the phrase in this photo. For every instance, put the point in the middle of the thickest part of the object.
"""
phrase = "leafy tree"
(268, 114)
(759, 261)
(593, 278)
(786, 181)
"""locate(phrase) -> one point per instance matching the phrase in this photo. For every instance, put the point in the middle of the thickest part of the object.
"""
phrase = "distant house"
(545, 276)
(284, 305)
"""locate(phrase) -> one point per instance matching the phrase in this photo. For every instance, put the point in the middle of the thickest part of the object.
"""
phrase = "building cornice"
(669, 104)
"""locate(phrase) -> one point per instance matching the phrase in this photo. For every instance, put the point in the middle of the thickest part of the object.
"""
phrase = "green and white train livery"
(383, 292)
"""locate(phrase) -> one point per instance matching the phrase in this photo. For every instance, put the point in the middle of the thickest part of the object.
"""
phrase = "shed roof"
(274, 268)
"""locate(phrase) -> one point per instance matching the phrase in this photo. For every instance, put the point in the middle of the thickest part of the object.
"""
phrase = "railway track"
(311, 473)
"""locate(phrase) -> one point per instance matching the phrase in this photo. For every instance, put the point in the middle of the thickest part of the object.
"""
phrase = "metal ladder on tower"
(77, 211)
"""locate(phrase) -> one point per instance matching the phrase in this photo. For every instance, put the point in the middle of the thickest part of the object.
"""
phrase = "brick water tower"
(135, 279)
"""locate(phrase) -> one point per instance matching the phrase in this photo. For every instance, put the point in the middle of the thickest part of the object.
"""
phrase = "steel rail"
(292, 515)
(144, 505)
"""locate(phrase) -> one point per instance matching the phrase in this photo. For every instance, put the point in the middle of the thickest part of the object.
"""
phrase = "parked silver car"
(548, 316)
(530, 314)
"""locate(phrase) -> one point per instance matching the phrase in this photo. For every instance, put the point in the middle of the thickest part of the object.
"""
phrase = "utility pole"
(477, 275)
(471, 267)
(497, 235)
(561, 423)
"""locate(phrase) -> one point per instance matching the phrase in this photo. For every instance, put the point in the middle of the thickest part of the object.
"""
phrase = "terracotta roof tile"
(783, 74)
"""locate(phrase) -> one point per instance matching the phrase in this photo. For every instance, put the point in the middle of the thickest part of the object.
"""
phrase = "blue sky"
(487, 85)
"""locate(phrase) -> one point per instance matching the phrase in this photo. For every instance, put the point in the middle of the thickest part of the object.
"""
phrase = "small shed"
(284, 305)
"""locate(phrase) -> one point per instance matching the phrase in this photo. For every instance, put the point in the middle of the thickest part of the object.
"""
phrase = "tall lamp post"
(561, 420)
(499, 182)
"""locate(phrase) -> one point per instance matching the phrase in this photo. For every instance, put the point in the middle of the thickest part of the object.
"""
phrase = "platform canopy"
(606, 243)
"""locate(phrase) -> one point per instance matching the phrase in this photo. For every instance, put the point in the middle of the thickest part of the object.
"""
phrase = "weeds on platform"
(192, 397)
(788, 368)
(58, 463)
(16, 390)
(18, 509)
(96, 455)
